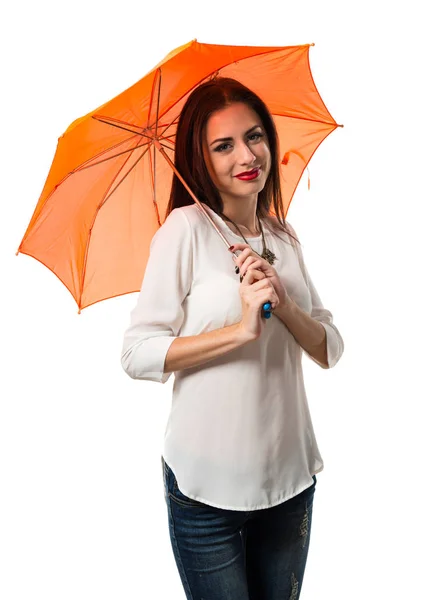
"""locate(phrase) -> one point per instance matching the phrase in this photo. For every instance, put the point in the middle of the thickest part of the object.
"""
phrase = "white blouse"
(239, 434)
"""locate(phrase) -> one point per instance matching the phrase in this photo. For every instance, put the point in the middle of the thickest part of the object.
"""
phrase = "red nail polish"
(231, 248)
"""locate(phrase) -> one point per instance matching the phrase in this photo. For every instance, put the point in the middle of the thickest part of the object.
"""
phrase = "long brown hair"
(204, 100)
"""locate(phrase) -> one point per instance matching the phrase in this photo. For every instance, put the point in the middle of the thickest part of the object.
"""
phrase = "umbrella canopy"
(108, 186)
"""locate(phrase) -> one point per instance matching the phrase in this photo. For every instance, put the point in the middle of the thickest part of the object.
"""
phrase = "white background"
(82, 507)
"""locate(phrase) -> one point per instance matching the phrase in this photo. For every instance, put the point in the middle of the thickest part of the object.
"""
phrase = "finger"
(242, 256)
(252, 275)
(263, 284)
(238, 246)
(256, 270)
(269, 294)
(250, 261)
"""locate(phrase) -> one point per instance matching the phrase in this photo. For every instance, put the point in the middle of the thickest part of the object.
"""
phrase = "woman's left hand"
(249, 258)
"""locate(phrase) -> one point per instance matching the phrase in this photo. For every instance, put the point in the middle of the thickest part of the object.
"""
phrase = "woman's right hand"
(255, 290)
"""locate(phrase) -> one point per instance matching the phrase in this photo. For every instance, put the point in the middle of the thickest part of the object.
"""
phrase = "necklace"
(267, 254)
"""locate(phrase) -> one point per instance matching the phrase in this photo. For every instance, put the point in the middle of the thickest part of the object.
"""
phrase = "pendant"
(269, 256)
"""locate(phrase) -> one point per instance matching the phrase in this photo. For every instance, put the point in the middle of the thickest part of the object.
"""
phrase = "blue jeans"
(237, 555)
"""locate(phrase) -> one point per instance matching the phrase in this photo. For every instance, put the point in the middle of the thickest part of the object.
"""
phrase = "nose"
(245, 155)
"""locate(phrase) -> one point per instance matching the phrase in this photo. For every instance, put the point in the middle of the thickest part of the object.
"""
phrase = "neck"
(244, 215)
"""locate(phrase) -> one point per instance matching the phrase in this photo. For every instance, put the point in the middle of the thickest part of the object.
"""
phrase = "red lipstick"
(249, 175)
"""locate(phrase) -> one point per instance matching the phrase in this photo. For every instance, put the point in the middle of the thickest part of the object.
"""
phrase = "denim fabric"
(238, 555)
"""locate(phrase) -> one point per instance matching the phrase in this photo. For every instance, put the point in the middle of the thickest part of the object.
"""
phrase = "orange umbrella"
(110, 178)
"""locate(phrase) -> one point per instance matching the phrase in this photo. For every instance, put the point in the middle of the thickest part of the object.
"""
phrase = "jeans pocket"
(308, 493)
(312, 487)
(164, 478)
(177, 495)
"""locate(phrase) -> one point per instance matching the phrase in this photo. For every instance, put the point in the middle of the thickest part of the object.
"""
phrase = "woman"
(240, 454)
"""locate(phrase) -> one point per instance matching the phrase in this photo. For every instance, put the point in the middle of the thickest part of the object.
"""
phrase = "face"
(235, 142)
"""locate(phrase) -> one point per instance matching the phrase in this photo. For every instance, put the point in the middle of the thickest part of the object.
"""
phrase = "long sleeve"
(158, 315)
(335, 343)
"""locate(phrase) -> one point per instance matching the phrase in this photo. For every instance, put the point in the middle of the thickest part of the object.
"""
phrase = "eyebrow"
(229, 139)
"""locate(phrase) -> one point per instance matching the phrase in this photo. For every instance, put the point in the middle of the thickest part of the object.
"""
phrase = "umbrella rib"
(306, 119)
(152, 174)
(173, 122)
(83, 165)
(124, 128)
(156, 135)
(167, 147)
(157, 102)
(104, 200)
(166, 137)
(153, 178)
(124, 177)
(110, 157)
(155, 81)
(112, 120)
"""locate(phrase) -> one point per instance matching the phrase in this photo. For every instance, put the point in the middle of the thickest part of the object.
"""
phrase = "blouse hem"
(244, 509)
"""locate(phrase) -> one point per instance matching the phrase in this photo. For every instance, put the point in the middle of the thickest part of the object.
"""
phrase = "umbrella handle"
(266, 308)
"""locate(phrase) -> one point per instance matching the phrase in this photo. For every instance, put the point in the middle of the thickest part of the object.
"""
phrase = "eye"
(255, 136)
(222, 147)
